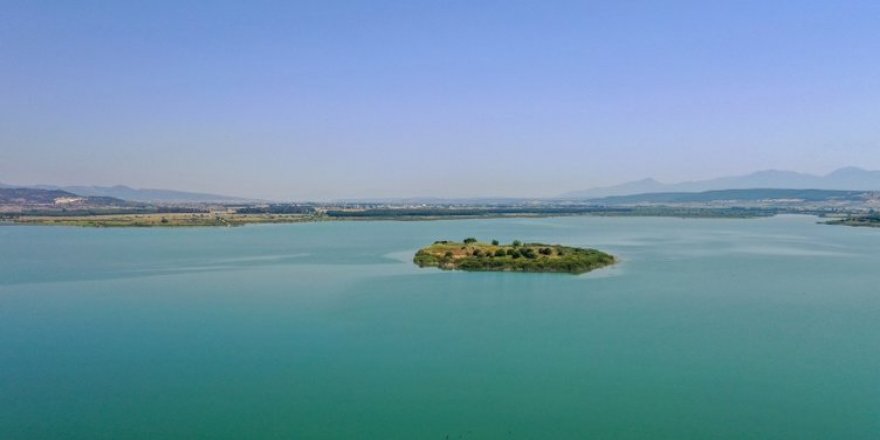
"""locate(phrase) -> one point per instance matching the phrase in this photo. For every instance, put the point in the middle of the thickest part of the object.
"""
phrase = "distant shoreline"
(171, 220)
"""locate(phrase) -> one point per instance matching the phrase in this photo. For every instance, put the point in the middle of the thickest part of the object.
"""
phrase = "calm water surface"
(764, 328)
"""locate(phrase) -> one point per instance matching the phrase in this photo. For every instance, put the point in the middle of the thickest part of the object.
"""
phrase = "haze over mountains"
(849, 178)
(139, 194)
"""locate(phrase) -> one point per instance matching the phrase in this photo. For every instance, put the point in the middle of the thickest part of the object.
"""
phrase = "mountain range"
(849, 178)
(34, 197)
(735, 197)
(139, 194)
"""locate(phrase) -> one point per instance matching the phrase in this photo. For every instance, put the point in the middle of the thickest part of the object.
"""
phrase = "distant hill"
(850, 178)
(31, 197)
(147, 195)
(740, 195)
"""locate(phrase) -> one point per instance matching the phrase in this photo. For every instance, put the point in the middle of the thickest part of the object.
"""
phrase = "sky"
(316, 100)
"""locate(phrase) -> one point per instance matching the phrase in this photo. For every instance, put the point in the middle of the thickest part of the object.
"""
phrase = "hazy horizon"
(474, 196)
(317, 101)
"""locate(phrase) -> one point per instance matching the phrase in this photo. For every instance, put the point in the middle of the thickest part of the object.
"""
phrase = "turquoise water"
(765, 328)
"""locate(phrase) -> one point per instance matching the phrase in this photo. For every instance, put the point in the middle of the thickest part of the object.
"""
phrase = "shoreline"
(189, 220)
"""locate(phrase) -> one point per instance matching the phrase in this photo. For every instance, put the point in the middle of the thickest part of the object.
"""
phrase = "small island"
(473, 255)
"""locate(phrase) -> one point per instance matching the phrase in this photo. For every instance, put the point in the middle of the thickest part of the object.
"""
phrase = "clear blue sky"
(325, 99)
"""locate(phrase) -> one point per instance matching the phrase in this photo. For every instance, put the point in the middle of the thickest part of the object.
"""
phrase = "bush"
(524, 258)
(494, 242)
(470, 240)
(516, 243)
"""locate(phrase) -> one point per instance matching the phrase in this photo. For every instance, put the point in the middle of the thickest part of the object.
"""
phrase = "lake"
(708, 328)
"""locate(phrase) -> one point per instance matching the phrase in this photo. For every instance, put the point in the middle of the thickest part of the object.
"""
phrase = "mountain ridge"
(776, 195)
(146, 195)
(31, 197)
(845, 179)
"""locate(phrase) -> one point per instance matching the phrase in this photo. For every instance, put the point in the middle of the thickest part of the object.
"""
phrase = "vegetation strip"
(472, 255)
(870, 221)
